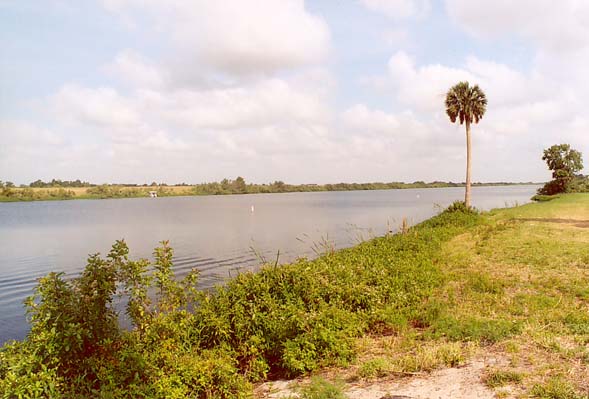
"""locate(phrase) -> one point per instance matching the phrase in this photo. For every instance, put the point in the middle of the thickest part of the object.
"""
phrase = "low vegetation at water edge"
(510, 283)
(280, 321)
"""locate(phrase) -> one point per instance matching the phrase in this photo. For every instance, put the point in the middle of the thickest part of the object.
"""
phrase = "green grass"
(500, 378)
(320, 388)
(557, 388)
(512, 281)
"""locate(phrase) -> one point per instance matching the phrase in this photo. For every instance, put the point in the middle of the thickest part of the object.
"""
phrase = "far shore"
(116, 191)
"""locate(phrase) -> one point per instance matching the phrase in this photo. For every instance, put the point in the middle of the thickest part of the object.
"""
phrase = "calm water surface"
(216, 234)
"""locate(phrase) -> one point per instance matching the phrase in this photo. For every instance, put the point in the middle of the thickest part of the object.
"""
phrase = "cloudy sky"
(309, 91)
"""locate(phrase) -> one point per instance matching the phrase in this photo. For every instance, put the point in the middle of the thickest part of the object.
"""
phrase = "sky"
(315, 91)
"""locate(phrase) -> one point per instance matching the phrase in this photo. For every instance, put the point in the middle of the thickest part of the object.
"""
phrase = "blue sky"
(302, 91)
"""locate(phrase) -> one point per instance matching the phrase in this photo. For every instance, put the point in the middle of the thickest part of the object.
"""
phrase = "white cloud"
(237, 37)
(101, 107)
(399, 9)
(24, 134)
(270, 101)
(160, 140)
(364, 120)
(250, 88)
(424, 87)
(555, 26)
(131, 68)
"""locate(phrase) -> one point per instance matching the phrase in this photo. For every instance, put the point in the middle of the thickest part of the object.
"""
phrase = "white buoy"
(252, 209)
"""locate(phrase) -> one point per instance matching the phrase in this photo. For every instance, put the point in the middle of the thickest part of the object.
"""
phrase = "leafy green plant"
(378, 367)
(564, 162)
(320, 388)
(285, 320)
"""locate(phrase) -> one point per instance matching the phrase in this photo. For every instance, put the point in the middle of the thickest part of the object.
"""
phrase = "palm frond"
(465, 103)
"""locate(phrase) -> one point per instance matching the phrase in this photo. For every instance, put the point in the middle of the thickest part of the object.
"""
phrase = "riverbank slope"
(511, 318)
(510, 285)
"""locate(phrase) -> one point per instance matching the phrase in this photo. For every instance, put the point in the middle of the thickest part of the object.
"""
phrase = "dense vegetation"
(39, 190)
(60, 183)
(564, 162)
(9, 194)
(280, 321)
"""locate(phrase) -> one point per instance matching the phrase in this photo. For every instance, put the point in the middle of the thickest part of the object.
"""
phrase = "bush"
(460, 206)
(378, 367)
(544, 198)
(322, 389)
(285, 320)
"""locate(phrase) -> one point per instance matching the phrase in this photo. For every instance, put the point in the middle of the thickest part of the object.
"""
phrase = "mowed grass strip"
(518, 285)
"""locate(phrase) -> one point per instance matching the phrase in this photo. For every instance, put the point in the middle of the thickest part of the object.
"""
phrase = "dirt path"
(452, 383)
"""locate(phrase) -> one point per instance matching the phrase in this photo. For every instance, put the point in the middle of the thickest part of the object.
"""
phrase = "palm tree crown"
(465, 103)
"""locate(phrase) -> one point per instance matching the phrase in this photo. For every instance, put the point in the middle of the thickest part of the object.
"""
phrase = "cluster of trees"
(7, 184)
(239, 186)
(115, 191)
(564, 162)
(8, 193)
(60, 183)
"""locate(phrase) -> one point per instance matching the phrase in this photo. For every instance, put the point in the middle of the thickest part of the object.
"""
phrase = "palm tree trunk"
(468, 151)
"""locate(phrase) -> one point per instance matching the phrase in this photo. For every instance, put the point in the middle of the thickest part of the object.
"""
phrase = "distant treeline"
(239, 186)
(62, 189)
(60, 183)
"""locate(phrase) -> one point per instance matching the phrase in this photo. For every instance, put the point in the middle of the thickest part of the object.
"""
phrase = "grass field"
(516, 288)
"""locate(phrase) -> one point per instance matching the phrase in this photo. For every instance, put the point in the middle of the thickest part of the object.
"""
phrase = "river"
(216, 234)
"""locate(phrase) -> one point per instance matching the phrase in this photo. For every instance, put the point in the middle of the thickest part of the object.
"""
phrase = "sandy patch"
(452, 383)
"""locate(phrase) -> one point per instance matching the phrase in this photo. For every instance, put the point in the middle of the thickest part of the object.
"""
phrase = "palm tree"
(467, 104)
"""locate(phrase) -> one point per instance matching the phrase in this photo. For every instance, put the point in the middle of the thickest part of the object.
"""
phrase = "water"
(216, 234)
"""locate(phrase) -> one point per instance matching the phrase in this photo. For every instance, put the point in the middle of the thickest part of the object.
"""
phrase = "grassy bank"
(513, 282)
(515, 289)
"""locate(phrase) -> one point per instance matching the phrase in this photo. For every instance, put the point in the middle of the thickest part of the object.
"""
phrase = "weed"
(498, 378)
(320, 388)
(378, 367)
(556, 388)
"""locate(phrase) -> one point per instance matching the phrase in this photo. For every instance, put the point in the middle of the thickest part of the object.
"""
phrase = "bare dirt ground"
(463, 382)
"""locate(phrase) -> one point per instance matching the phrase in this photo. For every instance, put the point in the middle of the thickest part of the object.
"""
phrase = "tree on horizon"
(466, 104)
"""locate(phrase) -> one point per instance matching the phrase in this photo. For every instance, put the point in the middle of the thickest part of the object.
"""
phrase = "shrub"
(283, 320)
(374, 368)
(321, 389)
(460, 206)
(544, 198)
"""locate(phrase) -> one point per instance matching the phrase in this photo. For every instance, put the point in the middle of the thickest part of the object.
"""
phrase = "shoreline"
(46, 192)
